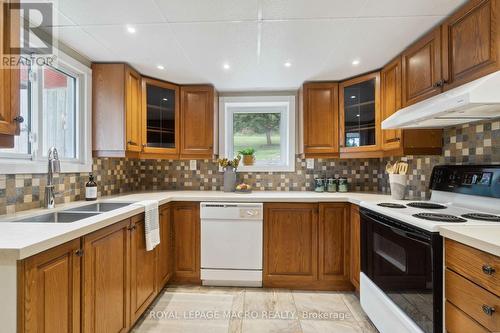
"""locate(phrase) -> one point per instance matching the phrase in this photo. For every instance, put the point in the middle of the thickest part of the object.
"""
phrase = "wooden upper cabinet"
(471, 42)
(360, 114)
(390, 77)
(116, 110)
(164, 258)
(160, 118)
(106, 280)
(334, 240)
(10, 119)
(186, 229)
(421, 68)
(320, 110)
(197, 122)
(49, 290)
(397, 142)
(133, 110)
(142, 269)
(290, 245)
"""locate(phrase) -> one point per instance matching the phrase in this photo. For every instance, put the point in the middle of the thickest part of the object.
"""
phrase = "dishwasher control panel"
(231, 211)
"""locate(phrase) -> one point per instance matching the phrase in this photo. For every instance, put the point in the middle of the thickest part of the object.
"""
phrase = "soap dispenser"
(91, 189)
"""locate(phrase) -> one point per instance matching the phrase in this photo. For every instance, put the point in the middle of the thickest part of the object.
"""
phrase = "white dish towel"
(151, 223)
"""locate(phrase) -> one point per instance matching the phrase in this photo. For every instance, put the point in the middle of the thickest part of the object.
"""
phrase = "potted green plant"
(248, 156)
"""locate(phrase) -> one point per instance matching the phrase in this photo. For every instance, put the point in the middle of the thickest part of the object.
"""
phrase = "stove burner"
(391, 205)
(440, 217)
(426, 205)
(482, 217)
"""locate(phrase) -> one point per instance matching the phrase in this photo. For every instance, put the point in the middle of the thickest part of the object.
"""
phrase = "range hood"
(473, 101)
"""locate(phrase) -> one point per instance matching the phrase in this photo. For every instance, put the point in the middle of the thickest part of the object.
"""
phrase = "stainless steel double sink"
(73, 214)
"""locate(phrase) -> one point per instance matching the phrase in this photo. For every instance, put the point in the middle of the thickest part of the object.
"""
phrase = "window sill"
(9, 167)
(266, 168)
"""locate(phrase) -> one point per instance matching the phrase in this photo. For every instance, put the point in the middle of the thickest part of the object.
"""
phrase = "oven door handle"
(408, 234)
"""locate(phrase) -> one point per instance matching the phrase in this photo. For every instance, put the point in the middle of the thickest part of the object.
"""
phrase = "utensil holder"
(398, 186)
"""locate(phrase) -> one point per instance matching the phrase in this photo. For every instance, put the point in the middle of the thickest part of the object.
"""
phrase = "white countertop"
(485, 238)
(20, 240)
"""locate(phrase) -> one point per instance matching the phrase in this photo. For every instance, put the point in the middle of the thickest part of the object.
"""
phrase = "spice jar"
(319, 185)
(332, 185)
(343, 186)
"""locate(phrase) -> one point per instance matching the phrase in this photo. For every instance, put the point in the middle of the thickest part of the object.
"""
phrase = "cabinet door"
(133, 110)
(49, 291)
(320, 107)
(290, 245)
(334, 239)
(9, 81)
(422, 69)
(186, 228)
(142, 270)
(197, 122)
(160, 118)
(390, 77)
(355, 253)
(471, 42)
(165, 249)
(360, 114)
(106, 279)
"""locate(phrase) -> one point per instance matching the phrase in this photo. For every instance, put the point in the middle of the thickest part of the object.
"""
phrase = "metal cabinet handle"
(19, 119)
(79, 252)
(488, 310)
(440, 83)
(132, 143)
(488, 270)
(132, 228)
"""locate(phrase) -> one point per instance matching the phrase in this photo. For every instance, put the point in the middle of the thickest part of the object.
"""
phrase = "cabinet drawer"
(478, 266)
(458, 322)
(473, 300)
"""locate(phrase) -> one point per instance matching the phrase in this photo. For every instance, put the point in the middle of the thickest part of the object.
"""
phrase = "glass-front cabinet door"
(359, 114)
(160, 117)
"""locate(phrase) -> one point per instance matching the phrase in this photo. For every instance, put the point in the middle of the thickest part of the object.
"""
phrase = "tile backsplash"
(468, 144)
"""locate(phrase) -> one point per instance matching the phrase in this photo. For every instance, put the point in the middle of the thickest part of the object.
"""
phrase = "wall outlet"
(192, 165)
(310, 163)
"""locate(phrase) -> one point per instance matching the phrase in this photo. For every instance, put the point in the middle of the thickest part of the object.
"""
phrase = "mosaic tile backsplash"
(468, 144)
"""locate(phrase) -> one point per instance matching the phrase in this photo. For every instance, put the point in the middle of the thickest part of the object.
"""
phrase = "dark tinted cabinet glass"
(160, 118)
(359, 114)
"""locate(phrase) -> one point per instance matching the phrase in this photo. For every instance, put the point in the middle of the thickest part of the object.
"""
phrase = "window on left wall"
(55, 105)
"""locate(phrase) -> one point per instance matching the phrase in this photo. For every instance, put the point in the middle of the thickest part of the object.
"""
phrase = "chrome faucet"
(54, 167)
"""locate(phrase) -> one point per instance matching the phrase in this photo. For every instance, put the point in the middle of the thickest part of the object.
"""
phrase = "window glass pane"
(59, 113)
(260, 131)
(21, 142)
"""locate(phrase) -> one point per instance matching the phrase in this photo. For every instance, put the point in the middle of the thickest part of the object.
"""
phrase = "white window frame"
(287, 129)
(12, 163)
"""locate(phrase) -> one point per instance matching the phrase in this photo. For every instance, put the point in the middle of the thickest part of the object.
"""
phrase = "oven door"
(401, 260)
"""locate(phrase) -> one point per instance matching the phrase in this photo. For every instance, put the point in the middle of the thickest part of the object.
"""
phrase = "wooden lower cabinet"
(355, 245)
(306, 246)
(49, 290)
(106, 279)
(334, 239)
(186, 231)
(290, 245)
(142, 270)
(164, 258)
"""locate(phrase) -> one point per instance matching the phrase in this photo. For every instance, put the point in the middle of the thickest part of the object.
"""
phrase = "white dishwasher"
(231, 244)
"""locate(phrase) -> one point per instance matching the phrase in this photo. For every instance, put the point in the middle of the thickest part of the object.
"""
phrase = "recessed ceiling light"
(357, 115)
(353, 97)
(165, 99)
(288, 64)
(160, 67)
(226, 66)
(355, 62)
(131, 29)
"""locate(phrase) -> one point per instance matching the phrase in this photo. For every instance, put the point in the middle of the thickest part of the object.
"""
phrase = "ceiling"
(193, 39)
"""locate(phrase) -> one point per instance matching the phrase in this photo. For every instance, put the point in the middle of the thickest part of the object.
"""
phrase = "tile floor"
(248, 310)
